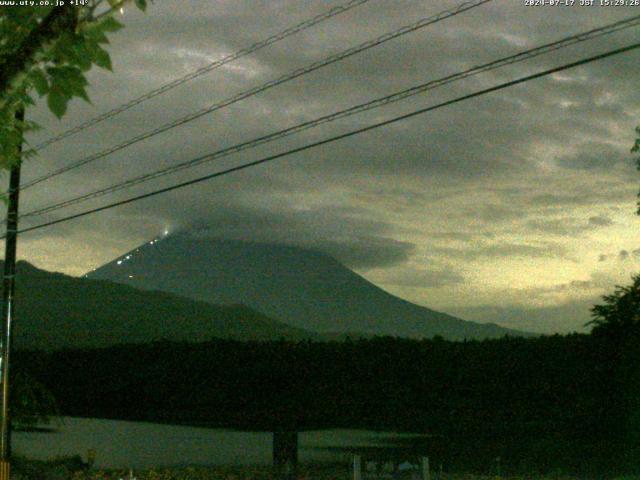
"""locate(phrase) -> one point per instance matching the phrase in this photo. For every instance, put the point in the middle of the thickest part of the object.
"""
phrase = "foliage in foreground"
(561, 403)
(541, 404)
(72, 468)
(305, 472)
(48, 49)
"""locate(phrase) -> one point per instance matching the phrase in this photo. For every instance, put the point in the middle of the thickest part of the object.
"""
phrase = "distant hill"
(300, 287)
(55, 310)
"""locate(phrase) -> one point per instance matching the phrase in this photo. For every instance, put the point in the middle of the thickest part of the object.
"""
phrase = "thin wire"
(207, 68)
(334, 138)
(261, 88)
(394, 97)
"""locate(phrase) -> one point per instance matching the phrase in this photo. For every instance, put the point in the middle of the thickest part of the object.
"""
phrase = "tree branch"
(60, 19)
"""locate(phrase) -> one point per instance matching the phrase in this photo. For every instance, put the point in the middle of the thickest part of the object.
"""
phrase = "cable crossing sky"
(378, 102)
(335, 138)
(261, 88)
(207, 68)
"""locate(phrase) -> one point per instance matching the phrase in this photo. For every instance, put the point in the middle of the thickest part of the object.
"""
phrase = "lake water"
(120, 444)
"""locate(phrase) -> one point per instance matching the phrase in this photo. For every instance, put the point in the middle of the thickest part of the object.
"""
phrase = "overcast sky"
(516, 207)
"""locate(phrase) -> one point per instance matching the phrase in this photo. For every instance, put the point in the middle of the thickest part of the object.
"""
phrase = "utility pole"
(8, 282)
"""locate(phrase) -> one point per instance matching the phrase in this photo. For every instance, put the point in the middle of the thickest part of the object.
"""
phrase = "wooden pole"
(357, 467)
(8, 310)
(426, 473)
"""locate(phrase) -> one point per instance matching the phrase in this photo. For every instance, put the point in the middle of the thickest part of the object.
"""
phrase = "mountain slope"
(303, 288)
(55, 310)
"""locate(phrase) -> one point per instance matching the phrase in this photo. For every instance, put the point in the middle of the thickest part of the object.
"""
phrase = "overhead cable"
(333, 138)
(207, 68)
(378, 102)
(261, 88)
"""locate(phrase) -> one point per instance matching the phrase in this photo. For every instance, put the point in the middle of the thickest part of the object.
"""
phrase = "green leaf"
(94, 34)
(67, 79)
(141, 4)
(63, 50)
(102, 59)
(28, 101)
(110, 24)
(39, 81)
(82, 93)
(73, 74)
(66, 82)
(57, 102)
(81, 54)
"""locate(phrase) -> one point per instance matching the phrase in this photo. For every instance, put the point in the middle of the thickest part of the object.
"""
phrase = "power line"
(394, 97)
(265, 86)
(207, 68)
(335, 138)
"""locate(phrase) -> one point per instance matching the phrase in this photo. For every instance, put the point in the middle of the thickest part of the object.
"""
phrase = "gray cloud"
(597, 156)
(564, 226)
(425, 278)
(581, 284)
(501, 250)
(563, 287)
(611, 191)
(553, 199)
(460, 236)
(600, 221)
(492, 213)
(620, 256)
(366, 252)
(340, 233)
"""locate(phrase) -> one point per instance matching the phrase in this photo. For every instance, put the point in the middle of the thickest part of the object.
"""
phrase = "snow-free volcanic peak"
(301, 287)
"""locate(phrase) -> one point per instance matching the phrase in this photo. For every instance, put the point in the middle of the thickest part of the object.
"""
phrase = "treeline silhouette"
(555, 403)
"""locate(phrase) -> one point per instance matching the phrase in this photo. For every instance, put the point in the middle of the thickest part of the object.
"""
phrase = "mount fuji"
(303, 288)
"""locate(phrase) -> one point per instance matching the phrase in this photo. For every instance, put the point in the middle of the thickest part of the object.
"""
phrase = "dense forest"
(555, 403)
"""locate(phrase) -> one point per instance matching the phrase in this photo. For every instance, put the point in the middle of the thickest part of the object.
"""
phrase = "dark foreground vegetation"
(556, 404)
(559, 403)
(68, 469)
